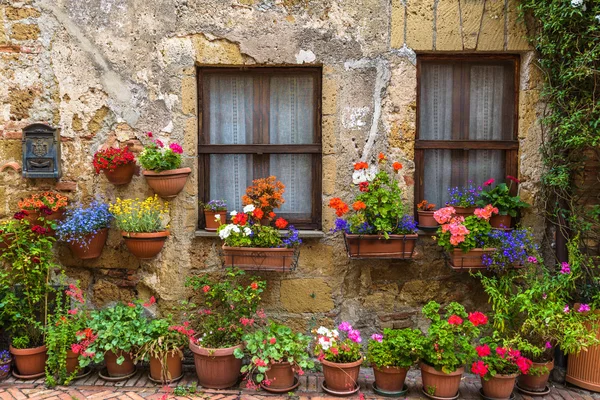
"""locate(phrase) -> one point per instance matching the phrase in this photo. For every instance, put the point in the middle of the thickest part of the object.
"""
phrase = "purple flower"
(566, 309)
(340, 225)
(345, 326)
(176, 148)
(354, 335)
(377, 337)
(584, 308)
(532, 260)
(548, 345)
(565, 268)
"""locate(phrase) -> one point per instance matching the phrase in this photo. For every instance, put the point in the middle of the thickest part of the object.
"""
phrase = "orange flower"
(381, 157)
(397, 166)
(258, 213)
(360, 165)
(281, 223)
(359, 205)
(271, 214)
(340, 207)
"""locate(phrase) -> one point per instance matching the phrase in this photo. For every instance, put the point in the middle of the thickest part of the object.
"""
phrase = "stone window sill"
(304, 234)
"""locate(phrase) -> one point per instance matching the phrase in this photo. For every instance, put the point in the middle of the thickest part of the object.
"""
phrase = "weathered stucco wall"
(106, 71)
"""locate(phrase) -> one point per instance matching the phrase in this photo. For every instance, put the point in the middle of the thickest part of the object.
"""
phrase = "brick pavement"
(139, 387)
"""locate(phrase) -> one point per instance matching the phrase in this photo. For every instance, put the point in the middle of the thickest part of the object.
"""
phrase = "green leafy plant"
(155, 157)
(396, 348)
(501, 198)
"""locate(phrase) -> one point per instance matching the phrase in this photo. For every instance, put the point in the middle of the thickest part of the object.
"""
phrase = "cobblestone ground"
(139, 387)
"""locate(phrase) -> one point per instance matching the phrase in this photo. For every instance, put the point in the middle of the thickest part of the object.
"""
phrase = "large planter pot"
(145, 245)
(116, 370)
(30, 362)
(440, 384)
(426, 219)
(167, 184)
(499, 386)
(583, 368)
(464, 211)
(377, 246)
(390, 379)
(121, 175)
(72, 361)
(472, 259)
(257, 258)
(90, 246)
(341, 377)
(501, 221)
(281, 375)
(5, 369)
(536, 383)
(173, 369)
(216, 368)
(211, 224)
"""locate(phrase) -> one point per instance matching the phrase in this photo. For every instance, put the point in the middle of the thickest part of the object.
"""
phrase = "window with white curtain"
(257, 122)
(467, 118)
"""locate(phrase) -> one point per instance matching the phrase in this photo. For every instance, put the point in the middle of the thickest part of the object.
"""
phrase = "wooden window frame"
(511, 147)
(261, 149)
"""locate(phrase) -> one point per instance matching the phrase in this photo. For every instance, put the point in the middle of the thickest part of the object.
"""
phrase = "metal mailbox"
(41, 152)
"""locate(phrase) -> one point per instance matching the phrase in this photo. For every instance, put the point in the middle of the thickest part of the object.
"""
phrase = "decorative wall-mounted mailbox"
(41, 152)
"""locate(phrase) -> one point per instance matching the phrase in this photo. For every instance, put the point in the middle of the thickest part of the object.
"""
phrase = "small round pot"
(116, 370)
(426, 219)
(499, 386)
(30, 362)
(94, 247)
(464, 211)
(4, 373)
(145, 245)
(536, 383)
(121, 175)
(281, 375)
(440, 384)
(501, 221)
(216, 368)
(167, 184)
(72, 361)
(341, 377)
(390, 379)
(210, 220)
(173, 370)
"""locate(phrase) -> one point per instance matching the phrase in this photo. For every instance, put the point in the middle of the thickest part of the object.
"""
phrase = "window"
(259, 122)
(466, 122)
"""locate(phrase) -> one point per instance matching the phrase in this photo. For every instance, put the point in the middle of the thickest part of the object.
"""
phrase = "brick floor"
(139, 387)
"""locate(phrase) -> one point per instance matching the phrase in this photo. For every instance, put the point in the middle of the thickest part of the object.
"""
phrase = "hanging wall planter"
(377, 246)
(145, 245)
(167, 184)
(90, 246)
(121, 175)
(260, 259)
(459, 260)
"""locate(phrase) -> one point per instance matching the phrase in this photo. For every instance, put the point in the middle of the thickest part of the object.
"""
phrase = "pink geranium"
(444, 215)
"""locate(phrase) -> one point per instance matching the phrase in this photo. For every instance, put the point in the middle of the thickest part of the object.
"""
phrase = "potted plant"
(228, 309)
(464, 199)
(447, 347)
(118, 165)
(425, 212)
(377, 226)
(265, 195)
(215, 214)
(85, 229)
(113, 335)
(276, 354)
(498, 368)
(162, 168)
(340, 359)
(47, 206)
(5, 361)
(391, 355)
(508, 206)
(511, 249)
(141, 224)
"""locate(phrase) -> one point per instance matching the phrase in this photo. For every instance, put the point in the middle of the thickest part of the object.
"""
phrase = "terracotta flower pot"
(440, 384)
(258, 258)
(281, 375)
(116, 370)
(216, 368)
(426, 219)
(501, 221)
(469, 260)
(536, 383)
(93, 249)
(34, 215)
(377, 246)
(4, 371)
(174, 368)
(390, 379)
(499, 386)
(30, 362)
(341, 377)
(167, 184)
(210, 221)
(145, 245)
(464, 211)
(121, 175)
(72, 361)
(583, 368)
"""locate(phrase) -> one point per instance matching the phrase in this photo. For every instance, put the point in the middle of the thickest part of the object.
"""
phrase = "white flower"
(336, 334)
(226, 231)
(323, 331)
(247, 231)
(325, 344)
(364, 175)
(597, 17)
(236, 229)
(233, 213)
(217, 217)
(249, 208)
(576, 3)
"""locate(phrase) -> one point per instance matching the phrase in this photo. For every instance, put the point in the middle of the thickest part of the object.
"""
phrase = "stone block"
(15, 13)
(517, 32)
(491, 36)
(419, 25)
(21, 31)
(329, 175)
(316, 258)
(306, 295)
(448, 33)
(328, 134)
(398, 23)
(66, 186)
(189, 100)
(329, 96)
(218, 51)
(471, 13)
(105, 292)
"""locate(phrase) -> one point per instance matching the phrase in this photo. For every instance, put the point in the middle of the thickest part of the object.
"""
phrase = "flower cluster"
(85, 339)
(46, 203)
(156, 157)
(266, 195)
(458, 231)
(466, 196)
(425, 206)
(330, 347)
(501, 198)
(216, 205)
(110, 159)
(512, 248)
(395, 348)
(5, 360)
(134, 215)
(503, 360)
(82, 221)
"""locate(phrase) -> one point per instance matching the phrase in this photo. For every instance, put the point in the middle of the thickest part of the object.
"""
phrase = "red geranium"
(478, 318)
(281, 223)
(479, 368)
(455, 320)
(483, 351)
(109, 159)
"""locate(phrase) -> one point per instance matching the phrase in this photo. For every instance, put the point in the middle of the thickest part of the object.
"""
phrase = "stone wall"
(106, 71)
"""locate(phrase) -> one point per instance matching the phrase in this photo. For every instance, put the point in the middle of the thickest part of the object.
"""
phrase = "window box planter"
(472, 260)
(377, 246)
(501, 221)
(145, 245)
(167, 184)
(260, 259)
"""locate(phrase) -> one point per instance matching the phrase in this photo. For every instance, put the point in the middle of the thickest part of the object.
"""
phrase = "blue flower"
(81, 221)
(407, 225)
(292, 238)
(341, 225)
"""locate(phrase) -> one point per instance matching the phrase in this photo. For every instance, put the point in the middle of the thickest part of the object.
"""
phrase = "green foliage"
(186, 390)
(501, 198)
(156, 158)
(478, 228)
(256, 235)
(398, 348)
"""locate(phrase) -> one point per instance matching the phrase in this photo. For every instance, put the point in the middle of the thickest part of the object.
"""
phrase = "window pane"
(436, 102)
(488, 110)
(230, 108)
(450, 168)
(230, 175)
(291, 118)
(295, 171)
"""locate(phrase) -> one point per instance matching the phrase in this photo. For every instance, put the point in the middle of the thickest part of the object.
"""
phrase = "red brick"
(9, 48)
(66, 186)
(12, 135)
(5, 396)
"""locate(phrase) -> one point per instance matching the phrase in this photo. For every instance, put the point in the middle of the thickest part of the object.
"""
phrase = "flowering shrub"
(133, 215)
(330, 347)
(497, 360)
(395, 348)
(82, 221)
(465, 233)
(378, 207)
(501, 198)
(45, 203)
(156, 157)
(448, 344)
(216, 205)
(273, 343)
(110, 159)
(425, 206)
(266, 195)
(228, 308)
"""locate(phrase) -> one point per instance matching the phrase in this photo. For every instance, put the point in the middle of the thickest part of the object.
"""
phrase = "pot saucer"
(103, 374)
(532, 393)
(512, 396)
(27, 377)
(279, 390)
(86, 371)
(385, 393)
(336, 393)
(158, 381)
(439, 398)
